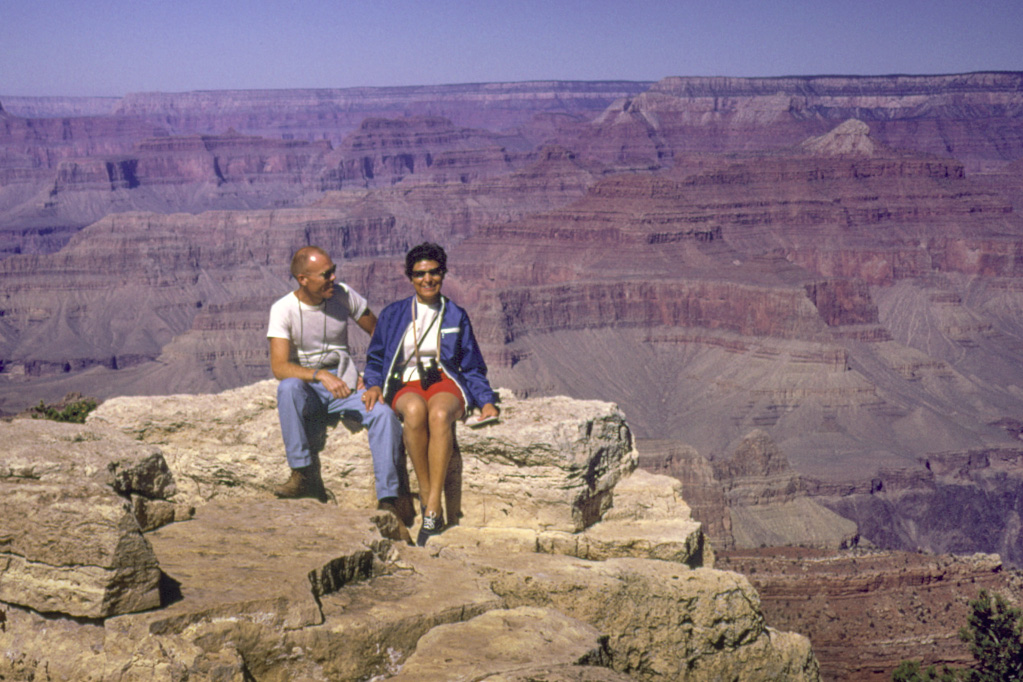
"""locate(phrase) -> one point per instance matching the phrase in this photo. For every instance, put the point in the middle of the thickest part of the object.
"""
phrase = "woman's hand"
(487, 411)
(372, 396)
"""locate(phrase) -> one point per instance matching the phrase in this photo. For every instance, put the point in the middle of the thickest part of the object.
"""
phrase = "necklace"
(301, 330)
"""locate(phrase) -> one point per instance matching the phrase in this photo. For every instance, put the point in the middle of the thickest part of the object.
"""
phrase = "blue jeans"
(302, 406)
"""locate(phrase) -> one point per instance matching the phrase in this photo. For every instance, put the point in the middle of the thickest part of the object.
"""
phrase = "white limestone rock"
(260, 588)
(663, 620)
(69, 540)
(550, 463)
(501, 642)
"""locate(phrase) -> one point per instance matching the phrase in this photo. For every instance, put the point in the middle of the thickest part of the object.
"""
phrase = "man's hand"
(335, 386)
(372, 396)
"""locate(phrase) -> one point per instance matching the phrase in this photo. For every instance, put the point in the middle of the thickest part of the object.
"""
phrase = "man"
(308, 335)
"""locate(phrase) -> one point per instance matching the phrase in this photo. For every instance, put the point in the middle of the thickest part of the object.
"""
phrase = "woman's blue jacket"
(460, 356)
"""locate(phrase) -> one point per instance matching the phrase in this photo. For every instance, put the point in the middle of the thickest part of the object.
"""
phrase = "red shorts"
(445, 385)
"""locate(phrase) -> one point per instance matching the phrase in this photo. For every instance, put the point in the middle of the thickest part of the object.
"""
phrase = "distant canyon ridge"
(834, 264)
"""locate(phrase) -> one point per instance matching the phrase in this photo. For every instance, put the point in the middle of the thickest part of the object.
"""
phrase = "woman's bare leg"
(416, 435)
(442, 411)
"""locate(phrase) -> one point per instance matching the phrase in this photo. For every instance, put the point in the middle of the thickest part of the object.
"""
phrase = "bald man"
(308, 335)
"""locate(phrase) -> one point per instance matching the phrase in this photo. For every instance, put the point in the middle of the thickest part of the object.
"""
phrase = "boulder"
(504, 641)
(70, 542)
(663, 619)
(550, 464)
(649, 520)
(270, 560)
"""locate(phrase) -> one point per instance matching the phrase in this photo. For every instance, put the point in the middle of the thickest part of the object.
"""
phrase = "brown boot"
(301, 484)
(388, 506)
(406, 506)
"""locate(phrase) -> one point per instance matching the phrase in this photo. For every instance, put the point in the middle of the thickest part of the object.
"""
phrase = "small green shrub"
(994, 632)
(74, 412)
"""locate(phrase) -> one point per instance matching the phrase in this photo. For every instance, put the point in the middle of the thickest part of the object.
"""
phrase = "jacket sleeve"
(375, 369)
(473, 367)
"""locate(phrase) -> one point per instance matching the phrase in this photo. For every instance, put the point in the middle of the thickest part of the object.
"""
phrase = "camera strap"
(419, 339)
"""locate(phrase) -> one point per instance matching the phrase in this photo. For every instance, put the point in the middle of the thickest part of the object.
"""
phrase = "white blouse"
(427, 326)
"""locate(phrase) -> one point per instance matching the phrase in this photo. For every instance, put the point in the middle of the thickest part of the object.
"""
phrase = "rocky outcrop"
(576, 452)
(195, 160)
(698, 484)
(69, 540)
(494, 642)
(851, 138)
(258, 588)
(383, 152)
(768, 502)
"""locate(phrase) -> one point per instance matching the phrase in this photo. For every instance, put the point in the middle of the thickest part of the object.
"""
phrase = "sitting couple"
(423, 363)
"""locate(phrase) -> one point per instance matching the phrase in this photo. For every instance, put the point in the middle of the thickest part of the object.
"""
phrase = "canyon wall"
(832, 260)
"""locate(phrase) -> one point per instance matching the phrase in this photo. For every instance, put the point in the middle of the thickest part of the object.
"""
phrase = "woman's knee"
(413, 413)
(441, 417)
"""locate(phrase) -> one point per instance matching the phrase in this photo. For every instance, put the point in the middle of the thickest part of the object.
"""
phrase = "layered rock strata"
(858, 302)
(819, 340)
(753, 499)
(630, 126)
(868, 611)
(974, 117)
(183, 304)
(66, 164)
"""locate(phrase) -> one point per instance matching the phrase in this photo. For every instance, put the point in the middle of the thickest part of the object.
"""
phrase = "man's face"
(318, 278)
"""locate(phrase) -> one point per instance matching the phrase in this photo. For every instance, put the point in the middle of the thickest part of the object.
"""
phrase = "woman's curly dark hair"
(425, 251)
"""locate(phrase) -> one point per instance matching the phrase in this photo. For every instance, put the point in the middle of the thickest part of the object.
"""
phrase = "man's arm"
(281, 364)
(368, 322)
(283, 368)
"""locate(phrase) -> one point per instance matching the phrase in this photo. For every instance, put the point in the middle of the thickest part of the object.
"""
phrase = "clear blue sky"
(112, 47)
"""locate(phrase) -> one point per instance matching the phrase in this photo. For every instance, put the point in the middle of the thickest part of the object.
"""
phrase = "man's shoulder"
(285, 302)
(345, 299)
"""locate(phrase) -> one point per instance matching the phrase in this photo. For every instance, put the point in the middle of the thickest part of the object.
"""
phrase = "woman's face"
(427, 279)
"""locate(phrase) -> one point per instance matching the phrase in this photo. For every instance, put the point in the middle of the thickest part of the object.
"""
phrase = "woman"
(423, 360)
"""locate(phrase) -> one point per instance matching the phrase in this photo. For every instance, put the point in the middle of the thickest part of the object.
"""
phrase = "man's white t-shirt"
(319, 334)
